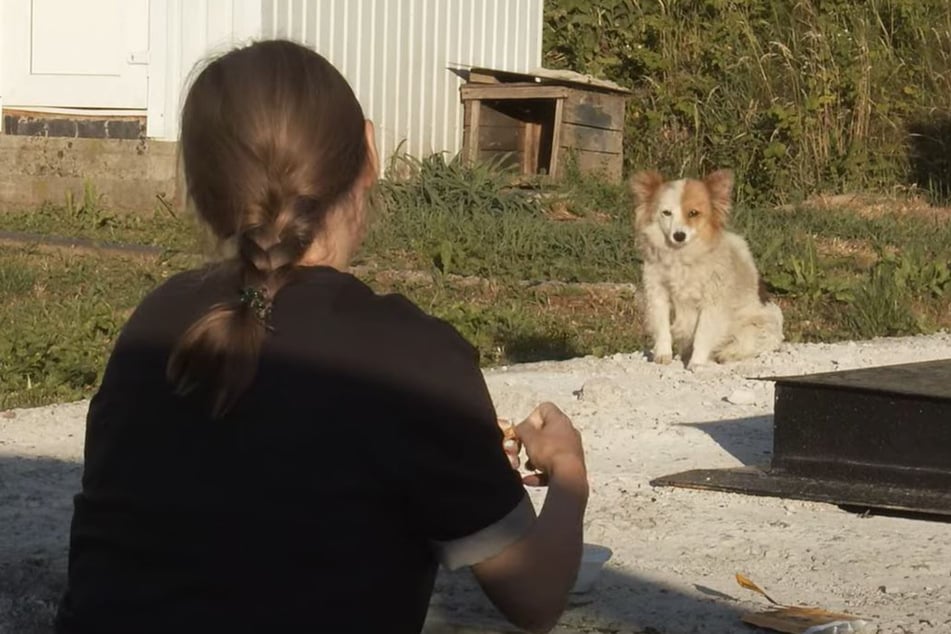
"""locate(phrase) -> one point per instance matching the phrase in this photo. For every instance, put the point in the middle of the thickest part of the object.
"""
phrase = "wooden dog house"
(538, 123)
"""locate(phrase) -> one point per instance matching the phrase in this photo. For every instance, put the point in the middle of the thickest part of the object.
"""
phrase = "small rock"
(741, 397)
(9, 414)
(600, 390)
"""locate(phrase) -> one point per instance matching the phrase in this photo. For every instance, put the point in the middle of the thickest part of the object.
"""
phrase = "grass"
(88, 217)
(60, 313)
(841, 275)
(487, 257)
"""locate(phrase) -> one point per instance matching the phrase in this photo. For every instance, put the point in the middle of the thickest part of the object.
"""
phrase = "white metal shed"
(121, 57)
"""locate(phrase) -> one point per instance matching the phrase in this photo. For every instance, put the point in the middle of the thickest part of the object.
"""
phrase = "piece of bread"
(508, 430)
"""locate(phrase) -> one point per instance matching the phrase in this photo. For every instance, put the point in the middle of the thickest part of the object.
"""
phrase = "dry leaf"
(749, 585)
(793, 620)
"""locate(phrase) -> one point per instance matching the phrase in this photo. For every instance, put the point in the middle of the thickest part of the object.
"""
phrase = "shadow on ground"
(532, 347)
(36, 505)
(749, 440)
(35, 509)
(619, 603)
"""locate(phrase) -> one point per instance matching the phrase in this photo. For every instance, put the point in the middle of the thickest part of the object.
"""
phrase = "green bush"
(466, 220)
(797, 97)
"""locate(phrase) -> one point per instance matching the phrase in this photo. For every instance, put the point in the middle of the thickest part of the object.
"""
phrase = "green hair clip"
(257, 300)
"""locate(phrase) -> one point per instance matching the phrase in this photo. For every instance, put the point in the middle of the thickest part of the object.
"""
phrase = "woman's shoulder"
(183, 295)
(407, 324)
(335, 317)
(353, 301)
(392, 322)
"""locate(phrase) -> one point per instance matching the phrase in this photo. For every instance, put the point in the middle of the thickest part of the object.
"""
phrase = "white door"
(75, 53)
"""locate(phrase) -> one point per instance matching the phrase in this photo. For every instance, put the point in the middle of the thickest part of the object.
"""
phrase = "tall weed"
(797, 97)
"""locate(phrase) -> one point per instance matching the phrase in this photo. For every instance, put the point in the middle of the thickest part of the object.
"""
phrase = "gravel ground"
(676, 551)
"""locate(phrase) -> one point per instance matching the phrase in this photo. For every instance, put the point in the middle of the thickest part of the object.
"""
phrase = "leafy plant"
(467, 220)
(452, 186)
(90, 210)
(797, 97)
(803, 275)
(882, 305)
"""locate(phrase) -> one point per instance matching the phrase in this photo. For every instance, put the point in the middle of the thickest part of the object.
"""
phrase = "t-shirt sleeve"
(468, 500)
(463, 493)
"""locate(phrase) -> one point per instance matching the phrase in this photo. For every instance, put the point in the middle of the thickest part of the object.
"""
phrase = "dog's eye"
(693, 213)
(666, 212)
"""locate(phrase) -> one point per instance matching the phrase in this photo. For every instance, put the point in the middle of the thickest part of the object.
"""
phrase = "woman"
(274, 447)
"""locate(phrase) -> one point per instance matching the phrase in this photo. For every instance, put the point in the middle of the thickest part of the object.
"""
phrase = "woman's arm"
(529, 581)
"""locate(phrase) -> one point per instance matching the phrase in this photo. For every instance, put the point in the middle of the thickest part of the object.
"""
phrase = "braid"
(272, 138)
(268, 251)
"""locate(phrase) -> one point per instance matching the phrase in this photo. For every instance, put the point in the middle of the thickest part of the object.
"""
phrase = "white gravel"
(675, 551)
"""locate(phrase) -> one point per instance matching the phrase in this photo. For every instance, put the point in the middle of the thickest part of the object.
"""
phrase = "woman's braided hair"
(272, 139)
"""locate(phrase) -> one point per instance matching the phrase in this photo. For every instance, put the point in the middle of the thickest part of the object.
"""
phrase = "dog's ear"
(720, 186)
(644, 186)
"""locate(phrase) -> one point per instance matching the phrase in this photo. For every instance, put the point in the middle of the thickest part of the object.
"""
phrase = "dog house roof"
(550, 76)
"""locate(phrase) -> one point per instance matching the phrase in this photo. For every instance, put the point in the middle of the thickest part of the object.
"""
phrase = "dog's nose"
(679, 236)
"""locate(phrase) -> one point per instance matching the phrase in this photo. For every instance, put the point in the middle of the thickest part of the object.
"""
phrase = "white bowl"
(593, 558)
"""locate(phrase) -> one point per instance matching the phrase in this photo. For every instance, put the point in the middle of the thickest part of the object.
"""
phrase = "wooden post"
(474, 131)
(530, 143)
(556, 138)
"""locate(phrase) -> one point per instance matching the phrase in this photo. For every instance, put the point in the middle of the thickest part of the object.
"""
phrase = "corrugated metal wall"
(184, 33)
(399, 54)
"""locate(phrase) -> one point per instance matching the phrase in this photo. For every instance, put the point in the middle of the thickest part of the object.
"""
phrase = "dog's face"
(683, 210)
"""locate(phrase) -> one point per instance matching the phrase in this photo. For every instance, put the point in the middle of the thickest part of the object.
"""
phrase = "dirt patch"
(81, 246)
(425, 278)
(875, 206)
(861, 252)
(561, 211)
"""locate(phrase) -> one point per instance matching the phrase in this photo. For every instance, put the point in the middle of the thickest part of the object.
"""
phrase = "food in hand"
(508, 430)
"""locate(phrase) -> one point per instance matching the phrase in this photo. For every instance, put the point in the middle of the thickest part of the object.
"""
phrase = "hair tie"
(257, 300)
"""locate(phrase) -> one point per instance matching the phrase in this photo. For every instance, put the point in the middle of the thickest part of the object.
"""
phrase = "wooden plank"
(472, 92)
(554, 169)
(479, 76)
(610, 166)
(466, 116)
(592, 139)
(474, 132)
(596, 110)
(501, 75)
(531, 137)
(553, 77)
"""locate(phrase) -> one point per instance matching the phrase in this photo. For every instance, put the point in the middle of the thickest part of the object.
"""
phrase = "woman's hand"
(550, 441)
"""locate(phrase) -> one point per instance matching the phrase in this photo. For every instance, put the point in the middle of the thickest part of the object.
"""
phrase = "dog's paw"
(663, 358)
(699, 366)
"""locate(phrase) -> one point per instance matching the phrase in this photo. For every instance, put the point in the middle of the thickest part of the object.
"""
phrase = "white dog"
(700, 272)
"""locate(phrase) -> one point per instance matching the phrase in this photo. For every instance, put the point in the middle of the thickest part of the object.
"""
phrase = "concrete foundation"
(130, 174)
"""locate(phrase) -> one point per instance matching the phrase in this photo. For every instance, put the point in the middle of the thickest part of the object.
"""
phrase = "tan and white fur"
(702, 291)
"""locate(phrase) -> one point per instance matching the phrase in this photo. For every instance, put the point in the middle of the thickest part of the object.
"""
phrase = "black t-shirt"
(365, 451)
